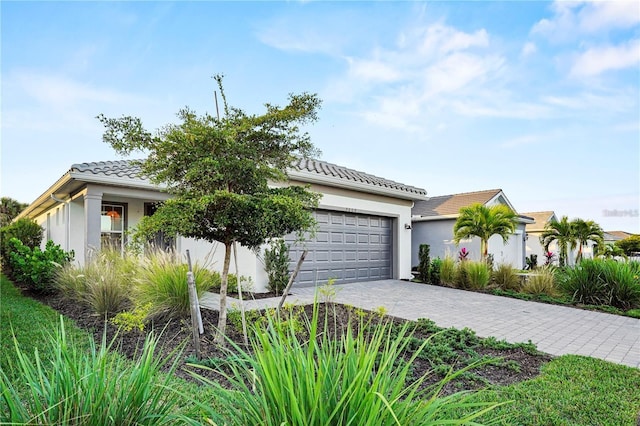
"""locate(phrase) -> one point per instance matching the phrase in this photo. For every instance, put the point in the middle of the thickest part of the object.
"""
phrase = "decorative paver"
(557, 330)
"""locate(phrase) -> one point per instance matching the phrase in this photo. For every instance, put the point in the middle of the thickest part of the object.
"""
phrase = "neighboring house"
(611, 237)
(433, 220)
(363, 220)
(534, 231)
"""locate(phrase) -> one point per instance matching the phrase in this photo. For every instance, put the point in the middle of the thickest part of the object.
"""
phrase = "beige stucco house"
(364, 230)
(433, 220)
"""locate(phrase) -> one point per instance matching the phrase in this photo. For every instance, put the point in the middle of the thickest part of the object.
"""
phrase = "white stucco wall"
(70, 232)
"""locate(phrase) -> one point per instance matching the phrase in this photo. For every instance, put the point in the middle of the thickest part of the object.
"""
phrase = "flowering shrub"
(463, 254)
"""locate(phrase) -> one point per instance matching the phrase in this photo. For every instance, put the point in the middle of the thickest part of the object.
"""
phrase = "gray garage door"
(348, 247)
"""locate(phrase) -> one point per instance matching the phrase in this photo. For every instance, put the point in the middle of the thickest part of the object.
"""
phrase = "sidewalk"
(557, 330)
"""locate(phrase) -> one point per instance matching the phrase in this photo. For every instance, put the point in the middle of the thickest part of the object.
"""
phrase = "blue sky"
(541, 99)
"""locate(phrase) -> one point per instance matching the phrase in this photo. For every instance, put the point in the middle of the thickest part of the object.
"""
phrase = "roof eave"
(46, 196)
(308, 177)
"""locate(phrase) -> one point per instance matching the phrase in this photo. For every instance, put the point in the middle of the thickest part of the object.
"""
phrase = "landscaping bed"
(451, 349)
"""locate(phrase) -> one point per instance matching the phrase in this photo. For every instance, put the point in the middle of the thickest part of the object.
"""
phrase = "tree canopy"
(562, 232)
(9, 209)
(219, 170)
(585, 231)
(478, 220)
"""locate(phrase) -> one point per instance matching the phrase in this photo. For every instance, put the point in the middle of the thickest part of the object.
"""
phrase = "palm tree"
(561, 232)
(478, 220)
(585, 231)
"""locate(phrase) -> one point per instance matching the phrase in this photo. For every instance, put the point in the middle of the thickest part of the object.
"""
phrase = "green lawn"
(571, 390)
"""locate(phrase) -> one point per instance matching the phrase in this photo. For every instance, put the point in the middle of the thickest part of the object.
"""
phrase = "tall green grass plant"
(542, 281)
(359, 378)
(448, 271)
(86, 388)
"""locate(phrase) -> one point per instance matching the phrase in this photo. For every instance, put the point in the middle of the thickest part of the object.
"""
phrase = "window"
(113, 225)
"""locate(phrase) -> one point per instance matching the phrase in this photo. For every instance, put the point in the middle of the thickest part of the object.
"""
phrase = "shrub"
(630, 245)
(104, 284)
(80, 387)
(505, 278)
(319, 380)
(276, 265)
(434, 271)
(474, 275)
(34, 267)
(603, 282)
(424, 263)
(541, 282)
(26, 230)
(448, 271)
(162, 282)
(232, 282)
(531, 262)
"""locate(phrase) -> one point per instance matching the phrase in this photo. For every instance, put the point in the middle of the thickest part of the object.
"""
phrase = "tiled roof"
(450, 204)
(128, 169)
(333, 170)
(121, 169)
(540, 218)
(619, 235)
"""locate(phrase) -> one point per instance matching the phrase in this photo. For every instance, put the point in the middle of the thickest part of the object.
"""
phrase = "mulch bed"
(175, 332)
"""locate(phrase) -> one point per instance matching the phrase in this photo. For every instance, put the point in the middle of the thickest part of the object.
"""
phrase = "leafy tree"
(218, 171)
(585, 231)
(9, 208)
(630, 245)
(562, 232)
(478, 220)
(609, 250)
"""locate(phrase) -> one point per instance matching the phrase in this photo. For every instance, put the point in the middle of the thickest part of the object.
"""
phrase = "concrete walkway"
(554, 329)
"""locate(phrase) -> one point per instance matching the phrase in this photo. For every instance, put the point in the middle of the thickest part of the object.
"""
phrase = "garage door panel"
(347, 247)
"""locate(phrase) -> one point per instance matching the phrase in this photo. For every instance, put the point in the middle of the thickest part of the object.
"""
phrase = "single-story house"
(433, 220)
(534, 231)
(364, 230)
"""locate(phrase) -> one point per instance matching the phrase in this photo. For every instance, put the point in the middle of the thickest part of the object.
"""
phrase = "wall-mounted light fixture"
(407, 226)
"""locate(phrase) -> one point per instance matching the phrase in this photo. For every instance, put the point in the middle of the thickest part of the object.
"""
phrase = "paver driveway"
(554, 329)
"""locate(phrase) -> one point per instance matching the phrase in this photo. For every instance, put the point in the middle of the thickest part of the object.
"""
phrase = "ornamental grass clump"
(162, 283)
(104, 283)
(474, 275)
(504, 276)
(603, 282)
(448, 271)
(360, 377)
(543, 281)
(86, 387)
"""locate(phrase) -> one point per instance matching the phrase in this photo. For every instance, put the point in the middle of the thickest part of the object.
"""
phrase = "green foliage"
(10, 208)
(276, 264)
(25, 230)
(478, 220)
(232, 282)
(105, 283)
(424, 264)
(320, 380)
(161, 281)
(573, 391)
(448, 271)
(585, 231)
(609, 251)
(531, 262)
(603, 282)
(134, 319)
(86, 388)
(218, 171)
(561, 232)
(630, 245)
(541, 282)
(36, 268)
(327, 292)
(434, 271)
(504, 276)
(477, 274)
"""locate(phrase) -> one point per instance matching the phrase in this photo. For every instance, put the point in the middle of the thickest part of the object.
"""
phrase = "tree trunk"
(222, 319)
(579, 256)
(485, 249)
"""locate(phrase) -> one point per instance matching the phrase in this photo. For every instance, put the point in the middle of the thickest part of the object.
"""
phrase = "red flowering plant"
(463, 254)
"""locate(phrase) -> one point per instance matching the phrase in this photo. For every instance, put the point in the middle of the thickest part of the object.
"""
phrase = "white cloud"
(528, 49)
(520, 141)
(573, 19)
(597, 60)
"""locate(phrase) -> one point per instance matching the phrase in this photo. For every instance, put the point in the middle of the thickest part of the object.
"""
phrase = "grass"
(571, 390)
